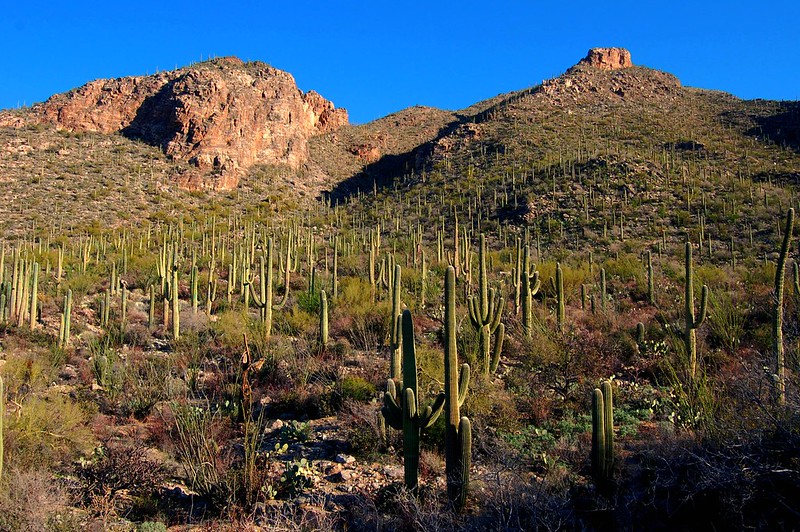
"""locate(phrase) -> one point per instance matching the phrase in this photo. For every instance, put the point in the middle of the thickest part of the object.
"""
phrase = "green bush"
(357, 388)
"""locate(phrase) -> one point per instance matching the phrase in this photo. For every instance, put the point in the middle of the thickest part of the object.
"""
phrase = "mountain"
(230, 126)
(221, 116)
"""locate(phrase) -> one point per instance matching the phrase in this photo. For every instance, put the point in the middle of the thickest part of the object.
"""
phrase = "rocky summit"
(608, 58)
(221, 116)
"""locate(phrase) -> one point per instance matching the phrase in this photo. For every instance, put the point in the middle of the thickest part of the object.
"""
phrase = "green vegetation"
(540, 252)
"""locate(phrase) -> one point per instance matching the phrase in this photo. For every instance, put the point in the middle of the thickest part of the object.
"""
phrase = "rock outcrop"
(608, 58)
(221, 116)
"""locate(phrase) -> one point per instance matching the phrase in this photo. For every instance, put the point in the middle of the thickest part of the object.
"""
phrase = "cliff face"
(221, 116)
(608, 58)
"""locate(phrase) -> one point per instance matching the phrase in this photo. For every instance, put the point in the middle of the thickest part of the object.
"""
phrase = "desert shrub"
(230, 328)
(115, 469)
(45, 431)
(628, 268)
(361, 428)
(198, 440)
(107, 367)
(309, 302)
(26, 368)
(356, 388)
(147, 382)
(296, 322)
(726, 320)
(33, 500)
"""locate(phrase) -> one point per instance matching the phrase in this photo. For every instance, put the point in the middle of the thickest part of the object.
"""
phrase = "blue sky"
(375, 58)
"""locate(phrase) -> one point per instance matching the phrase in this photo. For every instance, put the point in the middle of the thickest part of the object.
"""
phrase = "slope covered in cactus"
(554, 239)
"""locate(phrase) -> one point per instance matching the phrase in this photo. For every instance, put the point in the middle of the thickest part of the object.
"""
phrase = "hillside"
(554, 309)
(218, 118)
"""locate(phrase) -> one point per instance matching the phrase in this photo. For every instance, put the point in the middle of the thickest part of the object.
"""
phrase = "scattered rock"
(344, 459)
(344, 475)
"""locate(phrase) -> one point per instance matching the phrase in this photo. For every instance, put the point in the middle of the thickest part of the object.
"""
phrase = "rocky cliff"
(221, 116)
(608, 58)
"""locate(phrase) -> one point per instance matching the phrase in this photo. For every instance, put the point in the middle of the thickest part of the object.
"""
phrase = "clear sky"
(377, 57)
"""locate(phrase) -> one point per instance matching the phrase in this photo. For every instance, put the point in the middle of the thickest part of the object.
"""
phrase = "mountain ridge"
(222, 116)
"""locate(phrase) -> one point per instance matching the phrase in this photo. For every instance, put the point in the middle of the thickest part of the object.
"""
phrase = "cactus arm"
(535, 283)
(498, 347)
(432, 412)
(701, 317)
(410, 440)
(463, 383)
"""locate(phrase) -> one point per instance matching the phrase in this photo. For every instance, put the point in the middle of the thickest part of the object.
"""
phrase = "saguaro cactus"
(34, 294)
(651, 292)
(603, 433)
(63, 333)
(485, 312)
(777, 317)
(323, 318)
(406, 412)
(560, 299)
(395, 332)
(263, 300)
(530, 286)
(171, 295)
(2, 423)
(692, 321)
(458, 431)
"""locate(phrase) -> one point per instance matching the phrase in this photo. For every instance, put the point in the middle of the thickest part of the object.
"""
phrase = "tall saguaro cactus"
(263, 300)
(395, 331)
(63, 333)
(561, 314)
(651, 292)
(530, 286)
(777, 317)
(323, 319)
(692, 321)
(171, 295)
(485, 312)
(458, 431)
(603, 433)
(406, 412)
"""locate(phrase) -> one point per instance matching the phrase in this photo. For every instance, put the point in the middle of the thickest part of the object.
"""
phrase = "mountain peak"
(607, 58)
(220, 116)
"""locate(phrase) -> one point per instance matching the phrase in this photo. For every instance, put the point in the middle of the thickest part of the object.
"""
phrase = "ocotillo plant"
(485, 312)
(458, 431)
(692, 321)
(777, 316)
(603, 433)
(406, 412)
